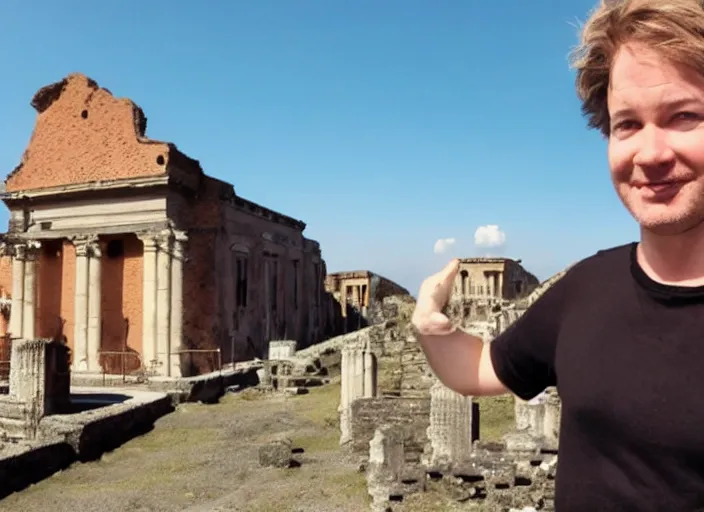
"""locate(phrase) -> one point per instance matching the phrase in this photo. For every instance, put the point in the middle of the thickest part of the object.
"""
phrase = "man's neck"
(673, 259)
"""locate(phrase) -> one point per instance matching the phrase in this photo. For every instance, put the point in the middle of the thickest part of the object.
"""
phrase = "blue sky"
(385, 125)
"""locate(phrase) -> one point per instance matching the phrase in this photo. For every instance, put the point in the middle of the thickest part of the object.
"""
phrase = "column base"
(80, 366)
(175, 366)
(94, 365)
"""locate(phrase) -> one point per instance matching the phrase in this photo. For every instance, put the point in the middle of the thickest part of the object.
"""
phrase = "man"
(622, 333)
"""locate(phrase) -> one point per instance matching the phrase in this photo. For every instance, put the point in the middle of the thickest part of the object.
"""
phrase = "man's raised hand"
(433, 296)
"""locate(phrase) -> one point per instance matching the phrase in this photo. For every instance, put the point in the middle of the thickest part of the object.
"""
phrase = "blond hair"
(673, 28)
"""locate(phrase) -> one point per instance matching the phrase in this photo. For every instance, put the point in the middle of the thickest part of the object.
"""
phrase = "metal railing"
(140, 370)
(192, 351)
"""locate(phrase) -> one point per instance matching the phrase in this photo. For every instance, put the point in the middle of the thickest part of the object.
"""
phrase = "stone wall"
(391, 307)
(412, 415)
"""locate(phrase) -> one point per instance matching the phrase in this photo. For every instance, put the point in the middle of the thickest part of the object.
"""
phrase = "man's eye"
(622, 126)
(687, 116)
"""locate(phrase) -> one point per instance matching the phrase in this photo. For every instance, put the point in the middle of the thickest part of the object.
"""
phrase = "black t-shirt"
(627, 356)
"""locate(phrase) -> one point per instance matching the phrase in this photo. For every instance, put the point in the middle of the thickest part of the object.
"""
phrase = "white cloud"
(443, 244)
(489, 236)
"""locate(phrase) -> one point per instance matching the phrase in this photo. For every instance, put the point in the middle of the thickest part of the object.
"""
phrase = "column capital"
(180, 236)
(149, 241)
(179, 242)
(7, 249)
(164, 239)
(22, 250)
(86, 245)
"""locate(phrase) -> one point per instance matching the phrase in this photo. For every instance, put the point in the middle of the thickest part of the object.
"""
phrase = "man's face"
(656, 145)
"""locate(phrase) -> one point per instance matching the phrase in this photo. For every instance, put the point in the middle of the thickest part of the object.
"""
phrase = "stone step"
(10, 409)
(13, 428)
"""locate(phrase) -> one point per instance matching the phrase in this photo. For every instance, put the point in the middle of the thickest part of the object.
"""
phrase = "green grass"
(318, 443)
(496, 417)
(320, 405)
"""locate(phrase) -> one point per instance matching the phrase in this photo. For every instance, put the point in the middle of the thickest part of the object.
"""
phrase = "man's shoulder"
(605, 262)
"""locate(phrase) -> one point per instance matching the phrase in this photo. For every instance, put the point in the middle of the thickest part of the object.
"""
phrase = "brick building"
(122, 246)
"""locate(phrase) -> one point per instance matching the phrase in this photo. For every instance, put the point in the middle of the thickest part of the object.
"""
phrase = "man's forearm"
(455, 359)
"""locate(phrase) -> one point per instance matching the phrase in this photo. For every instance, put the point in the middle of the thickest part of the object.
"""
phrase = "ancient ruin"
(413, 434)
(122, 248)
(123, 257)
(488, 294)
(493, 278)
(358, 293)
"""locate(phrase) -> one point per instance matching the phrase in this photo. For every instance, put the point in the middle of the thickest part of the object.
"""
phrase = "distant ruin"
(360, 295)
(413, 433)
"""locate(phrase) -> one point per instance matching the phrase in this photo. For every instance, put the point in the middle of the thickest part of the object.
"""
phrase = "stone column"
(370, 371)
(450, 430)
(17, 310)
(30, 290)
(94, 323)
(80, 333)
(343, 409)
(176, 321)
(149, 301)
(347, 392)
(163, 303)
(501, 285)
(551, 420)
(358, 380)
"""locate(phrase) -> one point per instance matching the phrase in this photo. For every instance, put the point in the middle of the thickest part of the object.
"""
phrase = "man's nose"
(653, 148)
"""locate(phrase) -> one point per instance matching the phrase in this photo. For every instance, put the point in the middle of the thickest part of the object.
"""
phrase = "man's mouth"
(660, 190)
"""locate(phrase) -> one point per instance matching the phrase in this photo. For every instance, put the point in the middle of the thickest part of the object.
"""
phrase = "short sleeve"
(524, 354)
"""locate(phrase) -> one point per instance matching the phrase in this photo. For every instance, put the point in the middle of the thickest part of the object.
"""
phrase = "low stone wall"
(206, 388)
(67, 438)
(24, 465)
(412, 415)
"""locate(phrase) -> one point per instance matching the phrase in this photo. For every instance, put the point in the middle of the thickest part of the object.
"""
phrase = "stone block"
(282, 349)
(296, 391)
(276, 453)
(522, 442)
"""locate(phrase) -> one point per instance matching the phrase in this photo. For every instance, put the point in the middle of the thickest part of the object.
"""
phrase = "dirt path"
(205, 458)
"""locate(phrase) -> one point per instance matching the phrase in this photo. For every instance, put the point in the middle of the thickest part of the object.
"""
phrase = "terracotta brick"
(6, 276)
(121, 303)
(49, 321)
(75, 117)
(68, 290)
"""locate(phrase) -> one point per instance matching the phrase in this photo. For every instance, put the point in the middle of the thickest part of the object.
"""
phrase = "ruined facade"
(356, 292)
(124, 249)
(493, 278)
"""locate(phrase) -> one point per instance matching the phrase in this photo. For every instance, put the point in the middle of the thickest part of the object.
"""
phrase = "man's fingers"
(448, 274)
